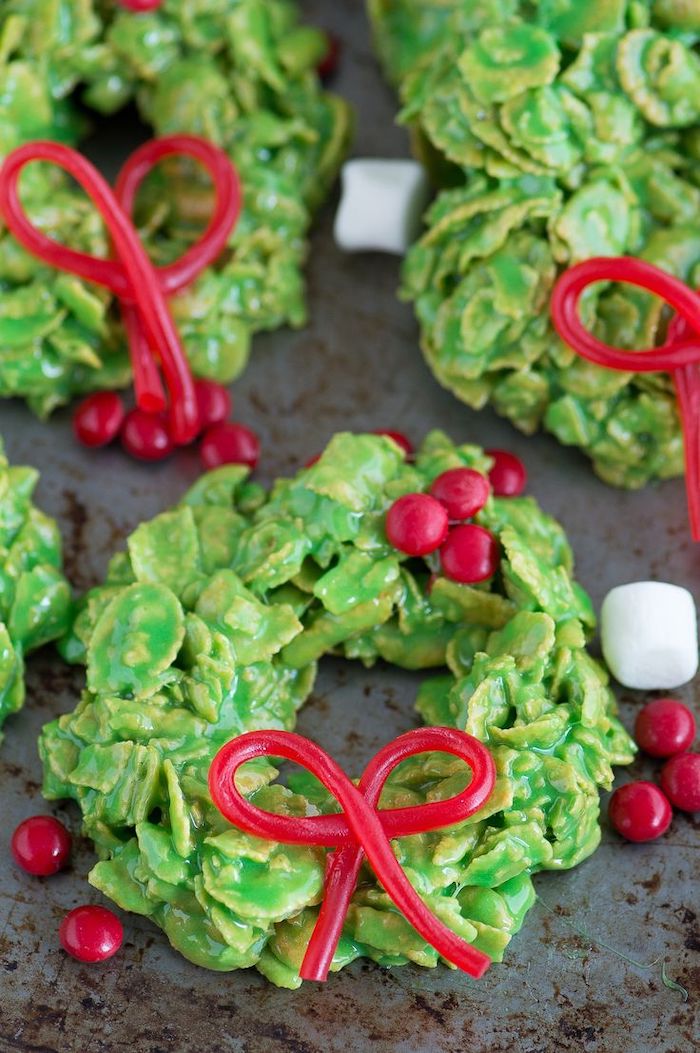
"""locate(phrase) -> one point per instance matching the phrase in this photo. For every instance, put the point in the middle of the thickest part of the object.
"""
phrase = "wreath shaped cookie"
(211, 624)
(557, 134)
(242, 76)
(35, 598)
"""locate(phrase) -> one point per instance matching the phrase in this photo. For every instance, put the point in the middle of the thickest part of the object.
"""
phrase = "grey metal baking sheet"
(585, 974)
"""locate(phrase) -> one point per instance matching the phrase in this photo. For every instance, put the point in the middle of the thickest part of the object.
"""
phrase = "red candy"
(664, 727)
(508, 475)
(41, 845)
(140, 6)
(213, 402)
(146, 436)
(400, 439)
(462, 491)
(329, 63)
(680, 781)
(470, 554)
(416, 524)
(361, 828)
(639, 811)
(98, 418)
(229, 444)
(91, 934)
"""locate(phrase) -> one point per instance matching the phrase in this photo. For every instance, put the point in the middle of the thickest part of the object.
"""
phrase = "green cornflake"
(241, 74)
(204, 631)
(554, 132)
(35, 599)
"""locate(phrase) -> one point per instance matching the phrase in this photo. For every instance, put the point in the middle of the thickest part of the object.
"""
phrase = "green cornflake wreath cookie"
(35, 600)
(211, 624)
(558, 131)
(238, 72)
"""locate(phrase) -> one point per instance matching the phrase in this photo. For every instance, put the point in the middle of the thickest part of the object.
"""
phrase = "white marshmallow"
(649, 635)
(381, 205)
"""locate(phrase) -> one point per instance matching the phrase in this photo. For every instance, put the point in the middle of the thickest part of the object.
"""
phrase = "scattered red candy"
(462, 491)
(146, 436)
(98, 418)
(41, 845)
(680, 781)
(91, 933)
(400, 439)
(508, 475)
(639, 811)
(329, 63)
(470, 554)
(213, 402)
(416, 524)
(229, 444)
(664, 727)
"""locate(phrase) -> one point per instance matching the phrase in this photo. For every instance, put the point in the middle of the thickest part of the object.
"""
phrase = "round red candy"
(41, 845)
(416, 524)
(229, 444)
(470, 554)
(664, 727)
(508, 476)
(680, 781)
(98, 418)
(146, 436)
(639, 811)
(462, 491)
(399, 438)
(329, 63)
(91, 933)
(213, 402)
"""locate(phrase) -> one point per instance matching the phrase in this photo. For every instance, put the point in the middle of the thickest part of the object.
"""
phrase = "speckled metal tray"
(585, 974)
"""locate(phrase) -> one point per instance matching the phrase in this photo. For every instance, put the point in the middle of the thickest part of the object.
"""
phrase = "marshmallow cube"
(381, 205)
(649, 635)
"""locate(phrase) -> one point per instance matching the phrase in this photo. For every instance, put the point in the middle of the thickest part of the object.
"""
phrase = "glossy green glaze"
(241, 74)
(211, 624)
(35, 600)
(555, 136)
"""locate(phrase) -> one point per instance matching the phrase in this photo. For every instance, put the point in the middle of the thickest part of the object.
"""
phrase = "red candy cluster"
(420, 524)
(101, 418)
(41, 846)
(641, 811)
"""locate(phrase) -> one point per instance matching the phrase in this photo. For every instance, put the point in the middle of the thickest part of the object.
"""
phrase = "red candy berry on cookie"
(508, 476)
(98, 419)
(639, 811)
(462, 491)
(229, 444)
(416, 524)
(213, 402)
(664, 727)
(91, 934)
(399, 438)
(146, 436)
(41, 845)
(470, 554)
(680, 781)
(329, 63)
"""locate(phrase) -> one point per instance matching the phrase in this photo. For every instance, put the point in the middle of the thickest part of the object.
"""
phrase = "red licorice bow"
(140, 6)
(141, 288)
(361, 829)
(680, 354)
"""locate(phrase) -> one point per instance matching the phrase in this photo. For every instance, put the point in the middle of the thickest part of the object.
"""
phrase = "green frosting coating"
(240, 73)
(211, 624)
(35, 599)
(556, 132)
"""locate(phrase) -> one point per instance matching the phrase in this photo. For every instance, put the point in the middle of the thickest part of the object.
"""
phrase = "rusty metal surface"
(585, 973)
